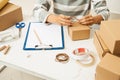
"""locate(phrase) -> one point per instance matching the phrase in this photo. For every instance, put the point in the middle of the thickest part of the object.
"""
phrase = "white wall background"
(114, 6)
(27, 7)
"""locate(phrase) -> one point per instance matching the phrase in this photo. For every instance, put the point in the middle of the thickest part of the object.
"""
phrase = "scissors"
(20, 26)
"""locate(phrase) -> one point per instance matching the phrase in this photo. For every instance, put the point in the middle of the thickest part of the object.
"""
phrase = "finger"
(65, 21)
(65, 24)
(87, 16)
(90, 20)
(88, 23)
(87, 20)
(65, 17)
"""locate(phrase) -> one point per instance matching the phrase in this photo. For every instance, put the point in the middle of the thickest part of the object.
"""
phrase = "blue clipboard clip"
(43, 46)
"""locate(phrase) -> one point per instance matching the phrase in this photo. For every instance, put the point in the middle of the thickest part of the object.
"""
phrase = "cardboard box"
(101, 47)
(110, 33)
(108, 68)
(10, 15)
(78, 31)
(3, 3)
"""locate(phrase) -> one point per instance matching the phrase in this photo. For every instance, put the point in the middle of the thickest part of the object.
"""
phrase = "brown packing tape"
(62, 57)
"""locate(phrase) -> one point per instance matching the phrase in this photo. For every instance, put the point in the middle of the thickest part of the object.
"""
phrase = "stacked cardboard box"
(110, 33)
(3, 3)
(108, 37)
(10, 15)
(78, 31)
(108, 68)
(100, 45)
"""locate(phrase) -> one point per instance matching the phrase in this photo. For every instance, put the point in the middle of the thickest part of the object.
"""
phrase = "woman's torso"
(72, 7)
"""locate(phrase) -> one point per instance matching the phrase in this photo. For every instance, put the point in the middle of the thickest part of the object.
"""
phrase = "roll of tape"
(62, 57)
(80, 53)
(83, 56)
(90, 62)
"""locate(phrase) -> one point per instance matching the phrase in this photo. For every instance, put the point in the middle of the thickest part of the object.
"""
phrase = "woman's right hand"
(59, 19)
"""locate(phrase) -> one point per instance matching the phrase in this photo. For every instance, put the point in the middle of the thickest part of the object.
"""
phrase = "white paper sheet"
(44, 35)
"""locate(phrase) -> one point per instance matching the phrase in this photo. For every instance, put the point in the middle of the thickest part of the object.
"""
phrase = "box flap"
(113, 26)
(102, 43)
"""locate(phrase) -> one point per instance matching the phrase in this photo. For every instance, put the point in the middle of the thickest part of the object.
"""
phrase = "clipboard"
(41, 36)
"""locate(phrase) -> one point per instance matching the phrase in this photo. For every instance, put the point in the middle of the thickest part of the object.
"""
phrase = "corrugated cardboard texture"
(78, 31)
(10, 15)
(3, 3)
(108, 68)
(101, 47)
(110, 33)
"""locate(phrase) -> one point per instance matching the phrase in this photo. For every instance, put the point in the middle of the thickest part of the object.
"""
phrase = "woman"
(62, 11)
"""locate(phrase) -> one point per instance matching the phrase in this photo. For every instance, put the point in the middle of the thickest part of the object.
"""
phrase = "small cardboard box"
(10, 15)
(78, 31)
(101, 47)
(108, 68)
(110, 33)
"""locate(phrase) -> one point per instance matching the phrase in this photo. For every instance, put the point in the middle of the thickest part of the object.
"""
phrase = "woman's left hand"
(89, 20)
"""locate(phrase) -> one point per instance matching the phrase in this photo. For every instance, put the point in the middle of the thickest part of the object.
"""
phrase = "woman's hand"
(59, 19)
(89, 20)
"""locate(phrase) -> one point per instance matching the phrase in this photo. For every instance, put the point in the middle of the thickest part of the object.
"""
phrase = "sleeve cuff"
(104, 15)
(45, 19)
(41, 15)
